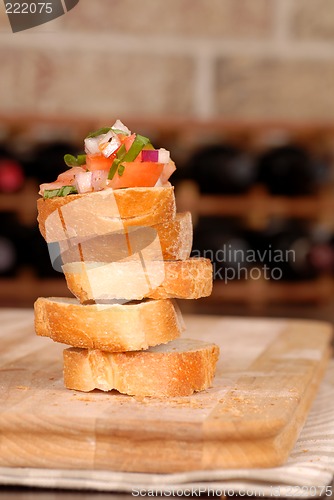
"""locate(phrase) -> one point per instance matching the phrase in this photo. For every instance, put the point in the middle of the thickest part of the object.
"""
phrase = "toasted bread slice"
(176, 237)
(102, 212)
(135, 280)
(170, 240)
(178, 368)
(112, 327)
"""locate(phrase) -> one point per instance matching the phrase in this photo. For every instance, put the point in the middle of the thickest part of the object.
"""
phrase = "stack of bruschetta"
(111, 225)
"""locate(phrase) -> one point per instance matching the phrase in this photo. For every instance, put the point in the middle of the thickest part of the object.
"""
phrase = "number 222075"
(28, 8)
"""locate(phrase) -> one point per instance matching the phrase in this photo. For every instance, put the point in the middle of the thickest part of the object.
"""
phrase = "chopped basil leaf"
(81, 159)
(63, 191)
(120, 170)
(121, 152)
(136, 148)
(96, 133)
(143, 139)
(119, 156)
(127, 156)
(118, 131)
(72, 161)
(113, 169)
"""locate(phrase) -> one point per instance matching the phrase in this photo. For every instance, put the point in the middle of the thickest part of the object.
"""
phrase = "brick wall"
(231, 59)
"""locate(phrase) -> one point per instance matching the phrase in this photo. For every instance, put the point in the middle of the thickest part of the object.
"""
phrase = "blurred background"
(240, 92)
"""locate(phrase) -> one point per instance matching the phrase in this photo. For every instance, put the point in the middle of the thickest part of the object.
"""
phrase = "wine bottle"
(224, 243)
(12, 245)
(222, 169)
(288, 245)
(11, 173)
(47, 161)
(289, 170)
(322, 251)
(38, 256)
(321, 258)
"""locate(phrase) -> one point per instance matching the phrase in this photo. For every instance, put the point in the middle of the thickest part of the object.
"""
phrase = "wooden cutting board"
(267, 377)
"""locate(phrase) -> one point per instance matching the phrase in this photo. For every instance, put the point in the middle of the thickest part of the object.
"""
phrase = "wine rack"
(255, 207)
(23, 290)
(22, 203)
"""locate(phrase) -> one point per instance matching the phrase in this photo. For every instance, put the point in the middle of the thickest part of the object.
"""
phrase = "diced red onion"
(150, 155)
(99, 179)
(118, 125)
(158, 183)
(155, 155)
(167, 171)
(104, 143)
(109, 147)
(83, 182)
(92, 145)
(164, 156)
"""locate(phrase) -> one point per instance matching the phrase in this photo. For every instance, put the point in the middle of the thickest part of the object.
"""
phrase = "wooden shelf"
(262, 292)
(26, 288)
(23, 203)
(257, 205)
(24, 120)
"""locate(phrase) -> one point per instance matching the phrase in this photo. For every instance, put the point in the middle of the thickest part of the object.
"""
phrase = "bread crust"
(178, 369)
(104, 211)
(117, 327)
(176, 237)
(188, 279)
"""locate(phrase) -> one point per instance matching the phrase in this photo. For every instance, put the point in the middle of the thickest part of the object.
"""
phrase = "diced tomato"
(99, 162)
(68, 177)
(128, 141)
(144, 174)
(138, 159)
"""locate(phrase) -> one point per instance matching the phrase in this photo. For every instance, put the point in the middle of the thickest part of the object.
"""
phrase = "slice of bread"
(102, 212)
(171, 240)
(112, 327)
(135, 280)
(176, 237)
(178, 368)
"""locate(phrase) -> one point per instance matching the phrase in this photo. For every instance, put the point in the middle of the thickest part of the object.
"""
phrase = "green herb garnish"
(72, 161)
(120, 170)
(96, 133)
(63, 191)
(127, 156)
(119, 156)
(136, 147)
(113, 170)
(118, 131)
